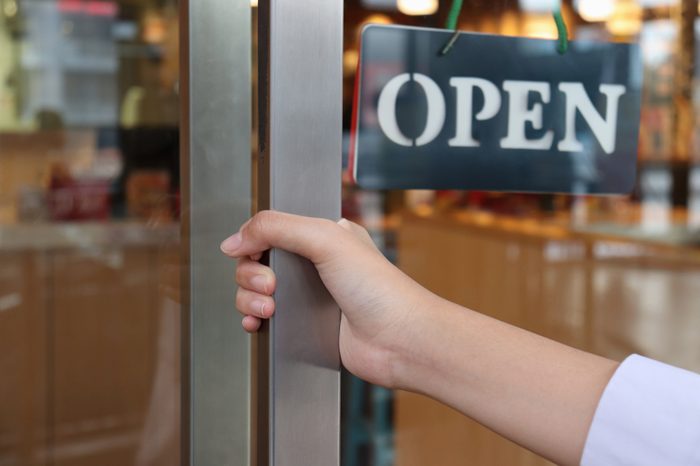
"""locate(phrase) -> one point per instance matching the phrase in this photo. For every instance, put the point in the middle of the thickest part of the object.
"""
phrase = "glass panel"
(89, 232)
(611, 275)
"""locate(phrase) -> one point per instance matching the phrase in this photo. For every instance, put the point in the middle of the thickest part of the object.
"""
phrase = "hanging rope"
(456, 10)
(562, 31)
(453, 16)
(452, 19)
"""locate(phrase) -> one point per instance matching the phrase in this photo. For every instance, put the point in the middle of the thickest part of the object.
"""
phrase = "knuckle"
(261, 224)
(263, 219)
(329, 225)
(330, 230)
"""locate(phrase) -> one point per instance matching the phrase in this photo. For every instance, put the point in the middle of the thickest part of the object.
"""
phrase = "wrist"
(415, 358)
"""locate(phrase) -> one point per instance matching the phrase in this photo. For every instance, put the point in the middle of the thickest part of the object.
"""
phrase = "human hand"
(537, 392)
(380, 305)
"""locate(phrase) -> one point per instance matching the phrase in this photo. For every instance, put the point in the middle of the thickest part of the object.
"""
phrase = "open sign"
(497, 113)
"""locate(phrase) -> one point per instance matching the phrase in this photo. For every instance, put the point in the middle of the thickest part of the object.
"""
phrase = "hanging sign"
(494, 114)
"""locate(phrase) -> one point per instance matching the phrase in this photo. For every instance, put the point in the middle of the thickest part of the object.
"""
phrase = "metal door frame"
(296, 410)
(215, 92)
(291, 415)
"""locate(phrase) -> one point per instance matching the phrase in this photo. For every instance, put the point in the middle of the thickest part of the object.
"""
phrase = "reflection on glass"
(694, 199)
(656, 184)
(612, 275)
(89, 207)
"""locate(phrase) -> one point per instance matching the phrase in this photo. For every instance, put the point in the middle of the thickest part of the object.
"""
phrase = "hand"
(537, 392)
(380, 305)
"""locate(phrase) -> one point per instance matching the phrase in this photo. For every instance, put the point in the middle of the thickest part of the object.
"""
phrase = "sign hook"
(456, 9)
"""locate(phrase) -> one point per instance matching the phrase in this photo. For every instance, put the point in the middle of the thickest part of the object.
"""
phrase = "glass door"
(89, 233)
(125, 155)
(611, 275)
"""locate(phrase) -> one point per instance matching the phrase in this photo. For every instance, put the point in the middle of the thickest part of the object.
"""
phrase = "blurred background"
(89, 231)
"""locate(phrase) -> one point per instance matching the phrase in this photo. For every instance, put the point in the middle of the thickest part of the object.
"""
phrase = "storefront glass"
(613, 275)
(89, 232)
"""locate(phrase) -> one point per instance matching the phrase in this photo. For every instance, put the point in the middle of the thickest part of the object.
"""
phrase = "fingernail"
(260, 283)
(260, 306)
(232, 243)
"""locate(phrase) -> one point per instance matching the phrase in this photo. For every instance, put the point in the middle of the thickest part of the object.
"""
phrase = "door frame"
(215, 132)
(274, 400)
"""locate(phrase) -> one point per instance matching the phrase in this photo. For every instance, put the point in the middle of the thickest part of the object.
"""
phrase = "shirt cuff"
(649, 415)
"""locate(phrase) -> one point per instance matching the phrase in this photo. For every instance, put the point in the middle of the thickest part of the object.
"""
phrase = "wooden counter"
(593, 288)
(89, 335)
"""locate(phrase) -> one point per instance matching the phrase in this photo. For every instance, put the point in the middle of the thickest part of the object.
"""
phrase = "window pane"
(611, 275)
(89, 232)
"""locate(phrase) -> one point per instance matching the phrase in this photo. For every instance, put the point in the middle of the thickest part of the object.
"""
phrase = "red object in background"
(91, 8)
(77, 200)
(101, 8)
(70, 6)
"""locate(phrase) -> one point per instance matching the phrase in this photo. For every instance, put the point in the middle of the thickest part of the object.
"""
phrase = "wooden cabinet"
(85, 334)
(23, 360)
(104, 326)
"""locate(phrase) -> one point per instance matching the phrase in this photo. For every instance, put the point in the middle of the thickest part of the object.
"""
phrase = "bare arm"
(536, 392)
(532, 390)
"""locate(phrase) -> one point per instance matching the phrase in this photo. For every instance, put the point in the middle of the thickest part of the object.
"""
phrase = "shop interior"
(89, 231)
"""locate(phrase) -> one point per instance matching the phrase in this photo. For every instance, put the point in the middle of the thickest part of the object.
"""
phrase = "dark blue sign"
(495, 114)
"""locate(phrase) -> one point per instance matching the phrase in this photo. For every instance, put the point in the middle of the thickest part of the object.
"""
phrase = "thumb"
(306, 236)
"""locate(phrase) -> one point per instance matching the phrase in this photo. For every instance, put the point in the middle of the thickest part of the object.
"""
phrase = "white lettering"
(386, 109)
(519, 114)
(604, 129)
(465, 103)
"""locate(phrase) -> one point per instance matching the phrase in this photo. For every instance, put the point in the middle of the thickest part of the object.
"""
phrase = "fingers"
(256, 284)
(254, 304)
(254, 276)
(312, 238)
(251, 324)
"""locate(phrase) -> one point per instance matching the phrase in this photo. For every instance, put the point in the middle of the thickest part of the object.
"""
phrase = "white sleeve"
(649, 415)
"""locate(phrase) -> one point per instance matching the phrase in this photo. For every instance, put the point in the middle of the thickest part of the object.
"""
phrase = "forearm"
(532, 390)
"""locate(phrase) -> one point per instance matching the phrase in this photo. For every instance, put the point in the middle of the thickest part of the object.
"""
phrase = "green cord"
(456, 10)
(563, 42)
(453, 17)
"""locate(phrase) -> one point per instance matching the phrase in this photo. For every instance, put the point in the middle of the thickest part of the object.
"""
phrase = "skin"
(395, 333)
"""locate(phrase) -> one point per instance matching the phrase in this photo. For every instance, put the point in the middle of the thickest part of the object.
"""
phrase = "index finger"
(307, 236)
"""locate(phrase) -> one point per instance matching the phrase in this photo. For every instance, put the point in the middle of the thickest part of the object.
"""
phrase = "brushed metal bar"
(296, 359)
(216, 99)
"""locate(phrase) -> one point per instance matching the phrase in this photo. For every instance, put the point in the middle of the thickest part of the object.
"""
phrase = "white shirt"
(649, 415)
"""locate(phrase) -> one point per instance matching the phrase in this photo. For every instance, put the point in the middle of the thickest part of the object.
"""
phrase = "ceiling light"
(540, 27)
(626, 20)
(595, 10)
(350, 59)
(417, 7)
(377, 19)
(253, 3)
